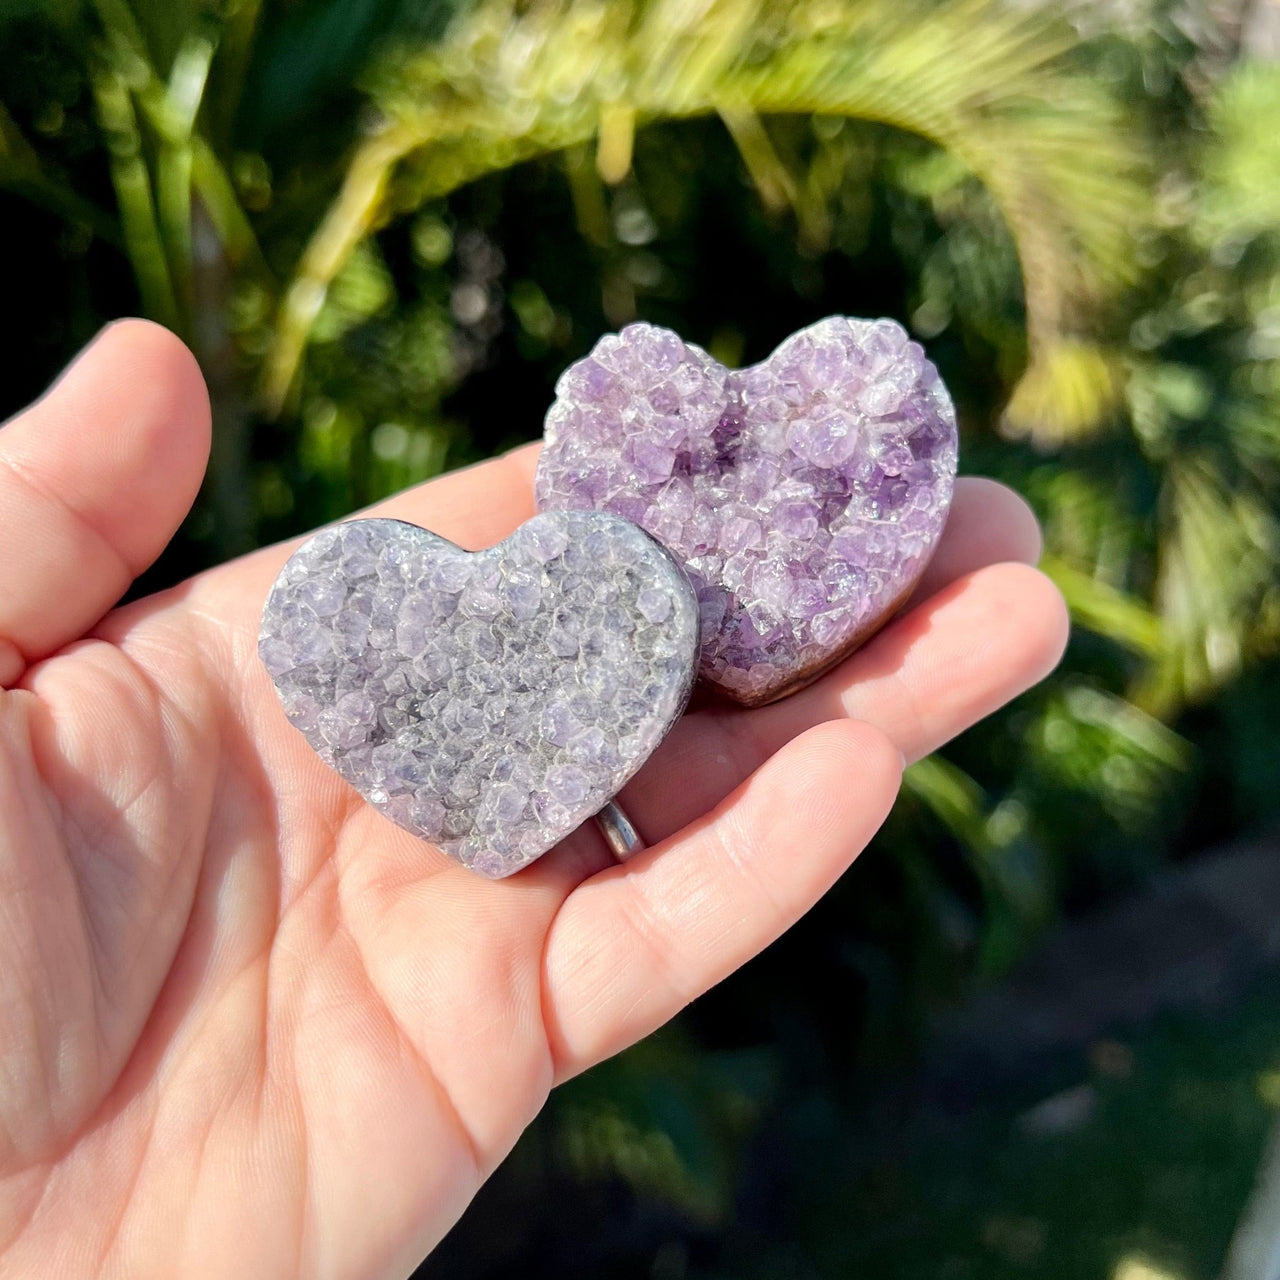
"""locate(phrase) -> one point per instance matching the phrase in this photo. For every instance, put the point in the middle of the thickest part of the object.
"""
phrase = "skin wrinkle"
(333, 826)
(95, 842)
(29, 1215)
(306, 1182)
(324, 886)
(31, 706)
(37, 1040)
(739, 854)
(229, 991)
(108, 1111)
(12, 663)
(215, 1114)
(566, 1063)
(645, 918)
(97, 992)
(560, 886)
(92, 922)
(417, 1057)
(744, 862)
(178, 864)
(254, 1076)
(222, 637)
(478, 1159)
(175, 722)
(644, 921)
(257, 956)
(126, 1201)
(160, 893)
(125, 572)
(235, 712)
(96, 1118)
(548, 1019)
(269, 1083)
(197, 1162)
(905, 697)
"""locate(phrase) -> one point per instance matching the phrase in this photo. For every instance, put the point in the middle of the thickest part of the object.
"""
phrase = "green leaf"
(1104, 609)
(1219, 556)
(134, 195)
(1071, 391)
(1241, 196)
(989, 85)
(21, 171)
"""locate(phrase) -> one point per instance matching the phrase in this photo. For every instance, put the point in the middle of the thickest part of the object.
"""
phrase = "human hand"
(248, 1026)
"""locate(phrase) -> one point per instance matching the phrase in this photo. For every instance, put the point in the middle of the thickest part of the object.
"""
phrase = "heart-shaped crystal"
(488, 702)
(803, 495)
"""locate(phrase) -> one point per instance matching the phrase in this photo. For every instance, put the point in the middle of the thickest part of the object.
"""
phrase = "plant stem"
(133, 194)
(229, 483)
(352, 216)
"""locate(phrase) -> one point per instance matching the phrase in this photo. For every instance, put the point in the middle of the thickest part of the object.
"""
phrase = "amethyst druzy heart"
(488, 702)
(803, 495)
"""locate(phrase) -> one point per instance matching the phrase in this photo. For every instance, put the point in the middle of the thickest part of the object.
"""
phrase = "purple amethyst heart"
(803, 495)
(488, 702)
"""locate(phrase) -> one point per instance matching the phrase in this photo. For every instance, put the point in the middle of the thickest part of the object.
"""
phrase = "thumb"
(94, 480)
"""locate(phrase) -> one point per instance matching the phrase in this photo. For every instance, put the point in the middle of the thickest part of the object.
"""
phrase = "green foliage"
(1240, 198)
(666, 1121)
(386, 225)
(506, 84)
(1156, 1152)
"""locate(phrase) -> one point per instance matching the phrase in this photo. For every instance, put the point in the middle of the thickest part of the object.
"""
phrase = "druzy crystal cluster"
(488, 702)
(803, 495)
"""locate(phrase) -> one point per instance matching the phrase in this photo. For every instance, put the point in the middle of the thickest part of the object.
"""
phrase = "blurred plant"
(268, 249)
(508, 82)
(666, 1121)
(212, 230)
(1205, 396)
(384, 225)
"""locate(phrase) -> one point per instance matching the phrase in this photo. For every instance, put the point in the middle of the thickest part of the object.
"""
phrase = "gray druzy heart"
(489, 701)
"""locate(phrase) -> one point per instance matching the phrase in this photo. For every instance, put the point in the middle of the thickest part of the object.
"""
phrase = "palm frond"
(22, 171)
(1107, 611)
(134, 195)
(1242, 155)
(988, 83)
(1015, 898)
(1092, 742)
(187, 164)
(1071, 390)
(1220, 552)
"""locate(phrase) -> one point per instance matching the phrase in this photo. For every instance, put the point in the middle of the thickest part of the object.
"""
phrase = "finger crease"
(26, 478)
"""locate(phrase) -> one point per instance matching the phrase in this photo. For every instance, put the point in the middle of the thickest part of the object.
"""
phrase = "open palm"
(248, 1026)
